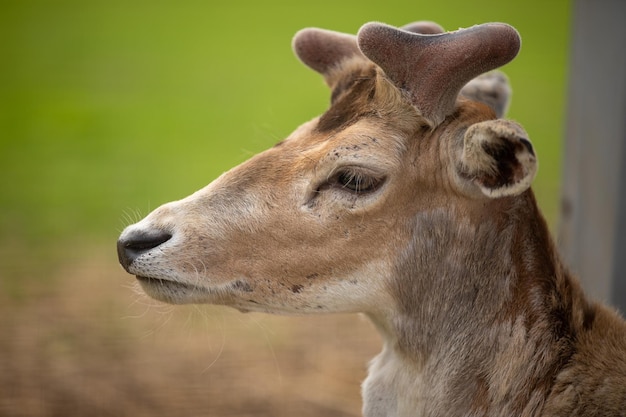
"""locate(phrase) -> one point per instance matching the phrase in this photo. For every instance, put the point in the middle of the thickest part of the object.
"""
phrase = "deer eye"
(356, 181)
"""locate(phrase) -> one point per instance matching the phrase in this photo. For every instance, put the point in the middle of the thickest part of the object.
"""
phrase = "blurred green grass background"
(111, 108)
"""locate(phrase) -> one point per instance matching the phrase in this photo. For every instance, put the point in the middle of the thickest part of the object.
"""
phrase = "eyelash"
(355, 181)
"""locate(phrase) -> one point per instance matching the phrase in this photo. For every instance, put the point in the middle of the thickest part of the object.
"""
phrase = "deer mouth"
(166, 283)
(170, 291)
(159, 281)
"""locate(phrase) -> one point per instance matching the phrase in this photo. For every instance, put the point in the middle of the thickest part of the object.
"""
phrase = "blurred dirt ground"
(92, 345)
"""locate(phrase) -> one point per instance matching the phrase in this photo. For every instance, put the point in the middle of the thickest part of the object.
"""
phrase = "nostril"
(131, 247)
(146, 241)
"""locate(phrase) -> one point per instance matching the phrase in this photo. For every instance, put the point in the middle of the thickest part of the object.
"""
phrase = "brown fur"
(478, 314)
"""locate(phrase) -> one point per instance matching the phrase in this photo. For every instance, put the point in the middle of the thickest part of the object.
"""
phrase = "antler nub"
(432, 69)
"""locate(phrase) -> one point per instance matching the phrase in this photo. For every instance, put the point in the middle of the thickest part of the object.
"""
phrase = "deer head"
(322, 221)
(408, 200)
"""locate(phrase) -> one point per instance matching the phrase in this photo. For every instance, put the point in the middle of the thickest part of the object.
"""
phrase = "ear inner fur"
(498, 158)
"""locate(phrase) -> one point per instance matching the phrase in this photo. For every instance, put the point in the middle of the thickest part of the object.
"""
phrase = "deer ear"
(498, 158)
(323, 50)
(492, 89)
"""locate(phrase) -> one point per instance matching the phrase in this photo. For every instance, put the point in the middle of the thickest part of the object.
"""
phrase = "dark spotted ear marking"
(528, 146)
(431, 70)
(498, 158)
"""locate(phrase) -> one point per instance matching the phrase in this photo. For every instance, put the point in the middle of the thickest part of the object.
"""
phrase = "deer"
(409, 201)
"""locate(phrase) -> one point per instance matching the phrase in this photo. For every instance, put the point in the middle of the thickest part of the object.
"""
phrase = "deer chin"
(176, 292)
(169, 291)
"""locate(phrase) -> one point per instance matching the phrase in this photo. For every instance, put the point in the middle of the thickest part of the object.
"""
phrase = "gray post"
(592, 233)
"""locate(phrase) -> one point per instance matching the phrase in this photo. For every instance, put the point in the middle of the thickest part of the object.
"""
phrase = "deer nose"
(131, 247)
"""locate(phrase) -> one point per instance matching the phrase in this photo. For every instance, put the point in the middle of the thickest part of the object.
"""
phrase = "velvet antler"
(432, 69)
(322, 50)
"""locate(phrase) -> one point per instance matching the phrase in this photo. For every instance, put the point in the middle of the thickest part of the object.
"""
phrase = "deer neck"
(476, 304)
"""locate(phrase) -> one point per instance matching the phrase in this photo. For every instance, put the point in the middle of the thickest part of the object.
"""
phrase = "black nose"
(131, 247)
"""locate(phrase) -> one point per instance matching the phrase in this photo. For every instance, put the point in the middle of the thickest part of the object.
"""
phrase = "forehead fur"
(361, 89)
